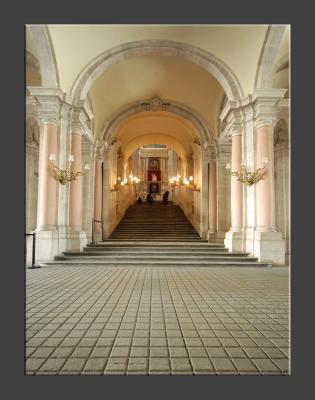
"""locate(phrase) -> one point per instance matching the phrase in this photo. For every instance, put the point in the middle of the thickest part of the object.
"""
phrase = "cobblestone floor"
(148, 321)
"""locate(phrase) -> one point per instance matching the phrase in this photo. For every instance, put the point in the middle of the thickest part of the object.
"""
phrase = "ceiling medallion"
(154, 104)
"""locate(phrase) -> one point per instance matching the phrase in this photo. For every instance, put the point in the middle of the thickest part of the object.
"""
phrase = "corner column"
(269, 245)
(46, 231)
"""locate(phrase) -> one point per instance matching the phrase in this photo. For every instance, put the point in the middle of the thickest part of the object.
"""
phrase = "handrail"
(96, 220)
(33, 250)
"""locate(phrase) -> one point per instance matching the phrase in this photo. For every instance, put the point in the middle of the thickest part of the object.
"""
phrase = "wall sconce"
(64, 176)
(178, 181)
(119, 183)
(249, 178)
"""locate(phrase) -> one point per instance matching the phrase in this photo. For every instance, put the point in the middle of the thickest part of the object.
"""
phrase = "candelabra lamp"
(189, 183)
(63, 176)
(132, 180)
(247, 177)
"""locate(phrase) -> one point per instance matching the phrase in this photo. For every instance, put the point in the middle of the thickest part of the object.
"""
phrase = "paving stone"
(265, 365)
(234, 352)
(201, 364)
(282, 364)
(62, 352)
(105, 342)
(159, 352)
(120, 351)
(244, 365)
(159, 364)
(140, 342)
(122, 341)
(181, 364)
(178, 352)
(211, 342)
(43, 352)
(53, 364)
(74, 365)
(222, 364)
(197, 352)
(95, 364)
(138, 364)
(176, 342)
(255, 352)
(33, 364)
(82, 352)
(216, 352)
(139, 352)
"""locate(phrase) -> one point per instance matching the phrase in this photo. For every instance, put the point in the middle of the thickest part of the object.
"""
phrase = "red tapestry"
(151, 174)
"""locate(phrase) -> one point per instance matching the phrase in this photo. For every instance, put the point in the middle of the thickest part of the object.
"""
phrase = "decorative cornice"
(260, 107)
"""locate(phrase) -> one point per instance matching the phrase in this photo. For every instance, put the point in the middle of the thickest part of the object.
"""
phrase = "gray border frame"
(302, 273)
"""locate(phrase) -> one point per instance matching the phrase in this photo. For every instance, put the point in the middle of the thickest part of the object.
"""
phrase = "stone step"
(161, 243)
(157, 251)
(147, 263)
(136, 258)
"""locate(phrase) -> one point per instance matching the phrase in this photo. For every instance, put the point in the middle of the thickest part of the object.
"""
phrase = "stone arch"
(202, 58)
(46, 56)
(157, 104)
(268, 56)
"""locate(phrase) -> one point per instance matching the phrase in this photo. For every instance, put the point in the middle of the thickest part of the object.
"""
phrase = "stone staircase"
(156, 235)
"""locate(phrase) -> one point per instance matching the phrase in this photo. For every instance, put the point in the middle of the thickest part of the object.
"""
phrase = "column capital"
(264, 103)
(45, 104)
(233, 124)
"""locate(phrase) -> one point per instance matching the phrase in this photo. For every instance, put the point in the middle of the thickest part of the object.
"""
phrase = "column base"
(76, 240)
(249, 239)
(269, 247)
(212, 236)
(98, 235)
(47, 245)
(234, 241)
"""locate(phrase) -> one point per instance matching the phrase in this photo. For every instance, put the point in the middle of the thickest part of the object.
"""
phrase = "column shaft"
(236, 186)
(98, 194)
(265, 187)
(75, 211)
(47, 191)
(213, 197)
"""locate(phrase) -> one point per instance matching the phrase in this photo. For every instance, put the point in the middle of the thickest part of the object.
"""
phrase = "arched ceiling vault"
(156, 128)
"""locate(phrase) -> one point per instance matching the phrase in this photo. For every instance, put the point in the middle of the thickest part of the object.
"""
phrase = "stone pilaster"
(269, 244)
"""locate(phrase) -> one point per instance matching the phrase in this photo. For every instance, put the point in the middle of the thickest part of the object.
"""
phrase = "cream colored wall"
(238, 46)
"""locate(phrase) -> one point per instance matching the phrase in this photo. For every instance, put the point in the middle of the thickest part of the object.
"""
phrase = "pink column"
(75, 210)
(213, 197)
(264, 188)
(47, 187)
(98, 194)
(236, 186)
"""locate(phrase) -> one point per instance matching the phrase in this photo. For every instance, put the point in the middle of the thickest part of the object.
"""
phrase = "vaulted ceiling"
(171, 78)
